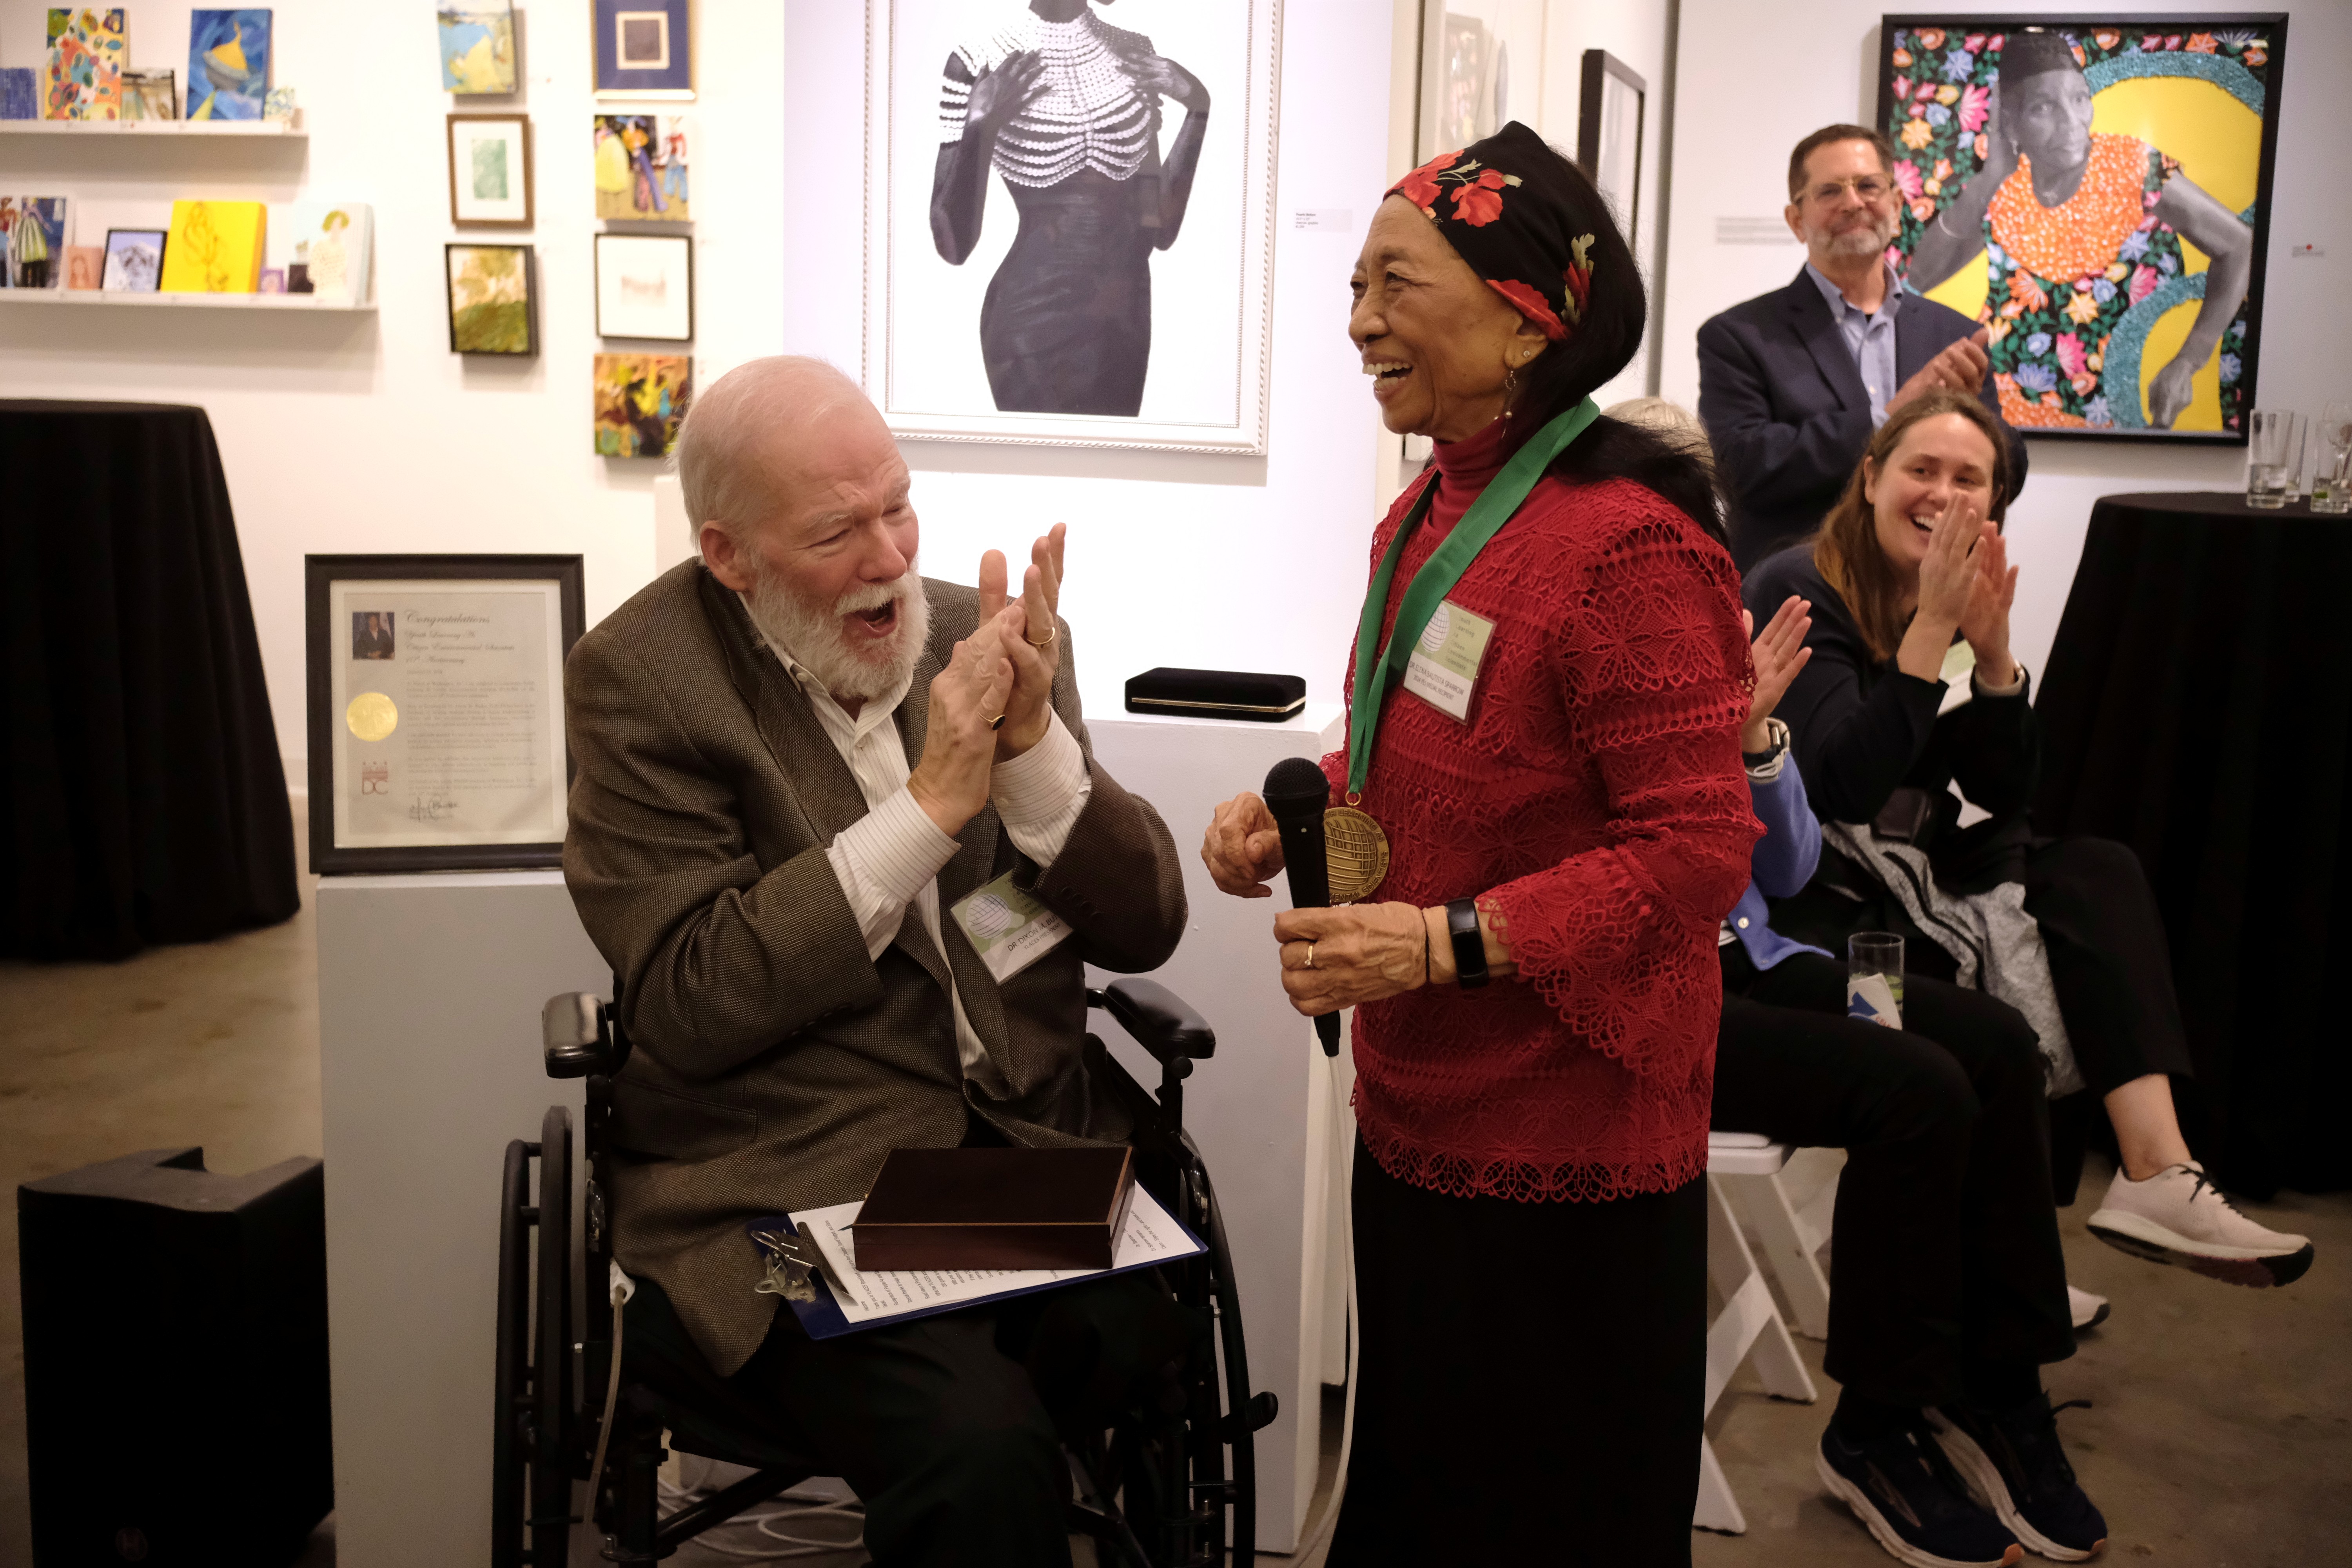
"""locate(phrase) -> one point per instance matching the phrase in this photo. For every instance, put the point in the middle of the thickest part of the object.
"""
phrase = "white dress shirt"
(891, 858)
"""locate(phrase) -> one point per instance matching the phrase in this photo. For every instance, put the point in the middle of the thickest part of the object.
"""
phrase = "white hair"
(719, 451)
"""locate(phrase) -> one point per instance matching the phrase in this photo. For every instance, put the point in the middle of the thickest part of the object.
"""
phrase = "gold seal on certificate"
(371, 716)
(1356, 853)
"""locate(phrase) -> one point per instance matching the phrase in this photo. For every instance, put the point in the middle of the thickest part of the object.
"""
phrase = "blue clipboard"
(824, 1319)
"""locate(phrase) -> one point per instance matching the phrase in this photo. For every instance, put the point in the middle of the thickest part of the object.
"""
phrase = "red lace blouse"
(1595, 802)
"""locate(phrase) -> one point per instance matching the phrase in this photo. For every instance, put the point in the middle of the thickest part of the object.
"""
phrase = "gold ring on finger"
(1310, 955)
(997, 722)
(1051, 633)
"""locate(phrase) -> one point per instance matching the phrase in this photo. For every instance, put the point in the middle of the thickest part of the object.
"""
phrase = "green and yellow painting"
(491, 300)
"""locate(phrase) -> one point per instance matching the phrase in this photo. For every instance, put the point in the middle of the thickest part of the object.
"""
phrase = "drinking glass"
(2273, 457)
(2331, 481)
(1873, 977)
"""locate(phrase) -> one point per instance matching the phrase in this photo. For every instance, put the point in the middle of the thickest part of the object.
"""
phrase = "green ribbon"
(1438, 574)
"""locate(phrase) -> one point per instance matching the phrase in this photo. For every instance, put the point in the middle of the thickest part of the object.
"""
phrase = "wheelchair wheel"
(550, 1372)
(509, 1444)
(531, 1487)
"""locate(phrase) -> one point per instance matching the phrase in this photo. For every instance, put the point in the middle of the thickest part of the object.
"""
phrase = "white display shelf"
(191, 302)
(275, 128)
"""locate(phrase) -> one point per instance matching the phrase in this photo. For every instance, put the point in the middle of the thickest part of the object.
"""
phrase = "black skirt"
(1530, 1380)
(1067, 324)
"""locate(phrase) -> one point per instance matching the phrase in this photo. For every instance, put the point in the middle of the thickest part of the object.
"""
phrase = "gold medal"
(1356, 853)
(371, 716)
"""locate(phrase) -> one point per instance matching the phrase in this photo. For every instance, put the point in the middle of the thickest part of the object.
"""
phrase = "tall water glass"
(1873, 977)
(2273, 457)
(2331, 480)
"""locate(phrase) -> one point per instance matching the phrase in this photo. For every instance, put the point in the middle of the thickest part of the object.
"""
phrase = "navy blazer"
(1785, 407)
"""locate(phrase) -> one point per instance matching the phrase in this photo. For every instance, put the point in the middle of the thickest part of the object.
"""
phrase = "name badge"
(1009, 929)
(1444, 669)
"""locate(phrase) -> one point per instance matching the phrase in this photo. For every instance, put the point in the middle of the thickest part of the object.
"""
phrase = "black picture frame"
(319, 573)
(530, 297)
(2182, 25)
(1600, 66)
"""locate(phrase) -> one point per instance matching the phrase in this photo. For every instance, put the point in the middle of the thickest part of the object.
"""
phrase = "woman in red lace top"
(1559, 764)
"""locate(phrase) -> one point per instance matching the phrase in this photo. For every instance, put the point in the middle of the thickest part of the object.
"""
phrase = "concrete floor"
(2220, 1436)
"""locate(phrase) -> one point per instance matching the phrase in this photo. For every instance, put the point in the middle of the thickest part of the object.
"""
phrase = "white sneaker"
(2089, 1310)
(2177, 1216)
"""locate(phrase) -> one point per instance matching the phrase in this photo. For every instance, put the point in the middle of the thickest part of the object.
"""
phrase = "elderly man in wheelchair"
(808, 781)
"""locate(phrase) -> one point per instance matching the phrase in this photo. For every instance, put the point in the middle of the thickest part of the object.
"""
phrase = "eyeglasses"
(1870, 188)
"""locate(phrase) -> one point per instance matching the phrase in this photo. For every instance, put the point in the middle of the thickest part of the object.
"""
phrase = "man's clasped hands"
(994, 700)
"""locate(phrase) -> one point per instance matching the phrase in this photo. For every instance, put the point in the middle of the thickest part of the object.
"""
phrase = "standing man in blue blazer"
(1791, 383)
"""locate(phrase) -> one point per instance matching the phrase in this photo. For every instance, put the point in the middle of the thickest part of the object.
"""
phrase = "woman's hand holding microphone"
(1337, 957)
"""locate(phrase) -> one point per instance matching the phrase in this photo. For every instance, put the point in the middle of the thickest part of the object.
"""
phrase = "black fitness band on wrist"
(1469, 946)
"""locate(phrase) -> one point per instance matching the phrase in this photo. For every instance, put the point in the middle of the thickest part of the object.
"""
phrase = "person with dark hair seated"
(1951, 1286)
(1908, 580)
(1548, 682)
(1791, 383)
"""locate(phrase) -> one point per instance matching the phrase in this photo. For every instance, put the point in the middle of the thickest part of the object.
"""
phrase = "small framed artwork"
(134, 261)
(644, 48)
(489, 170)
(1609, 134)
(642, 162)
(640, 401)
(437, 709)
(493, 299)
(645, 286)
(478, 46)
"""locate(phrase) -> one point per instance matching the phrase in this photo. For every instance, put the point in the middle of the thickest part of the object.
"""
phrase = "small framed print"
(489, 170)
(645, 286)
(644, 48)
(436, 710)
(134, 261)
(493, 299)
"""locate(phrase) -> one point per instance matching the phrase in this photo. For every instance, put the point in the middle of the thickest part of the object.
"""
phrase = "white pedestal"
(1262, 1109)
(429, 991)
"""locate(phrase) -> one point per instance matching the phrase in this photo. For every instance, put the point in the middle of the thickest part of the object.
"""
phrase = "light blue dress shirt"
(1869, 337)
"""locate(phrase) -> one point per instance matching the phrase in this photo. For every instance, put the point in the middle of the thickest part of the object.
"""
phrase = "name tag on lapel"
(1444, 669)
(1008, 928)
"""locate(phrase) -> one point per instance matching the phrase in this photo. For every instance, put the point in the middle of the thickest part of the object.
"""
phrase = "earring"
(1510, 388)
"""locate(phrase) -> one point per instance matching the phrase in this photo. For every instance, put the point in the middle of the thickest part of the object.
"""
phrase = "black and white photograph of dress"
(1072, 228)
(1066, 109)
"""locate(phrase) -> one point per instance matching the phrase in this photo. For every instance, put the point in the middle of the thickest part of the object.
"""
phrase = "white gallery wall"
(1752, 83)
(362, 433)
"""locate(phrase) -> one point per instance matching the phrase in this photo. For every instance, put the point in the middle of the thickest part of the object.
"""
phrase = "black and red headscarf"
(1505, 204)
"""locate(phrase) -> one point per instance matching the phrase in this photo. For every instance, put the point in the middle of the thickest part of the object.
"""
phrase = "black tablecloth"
(141, 798)
(2197, 707)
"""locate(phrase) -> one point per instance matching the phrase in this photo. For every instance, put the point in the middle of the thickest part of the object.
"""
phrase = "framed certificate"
(436, 710)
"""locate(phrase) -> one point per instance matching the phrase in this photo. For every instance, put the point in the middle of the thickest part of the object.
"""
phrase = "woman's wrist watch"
(1776, 742)
(1469, 944)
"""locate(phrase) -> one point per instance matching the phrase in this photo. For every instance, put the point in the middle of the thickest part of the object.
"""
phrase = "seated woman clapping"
(1909, 578)
(1951, 1287)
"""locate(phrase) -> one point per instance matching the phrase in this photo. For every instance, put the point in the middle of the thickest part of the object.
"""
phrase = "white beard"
(812, 633)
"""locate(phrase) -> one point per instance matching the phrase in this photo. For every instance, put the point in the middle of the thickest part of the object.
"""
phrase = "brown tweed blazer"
(775, 1063)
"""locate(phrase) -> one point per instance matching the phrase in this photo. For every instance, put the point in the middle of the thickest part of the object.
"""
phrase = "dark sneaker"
(1901, 1487)
(2014, 1463)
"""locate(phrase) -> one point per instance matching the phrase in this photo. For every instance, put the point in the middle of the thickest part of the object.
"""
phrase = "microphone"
(1296, 793)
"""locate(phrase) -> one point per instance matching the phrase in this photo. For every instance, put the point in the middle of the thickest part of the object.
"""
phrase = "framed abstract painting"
(644, 48)
(1069, 224)
(493, 299)
(2097, 189)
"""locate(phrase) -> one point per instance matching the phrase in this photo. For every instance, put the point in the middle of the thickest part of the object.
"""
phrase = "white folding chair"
(1750, 1324)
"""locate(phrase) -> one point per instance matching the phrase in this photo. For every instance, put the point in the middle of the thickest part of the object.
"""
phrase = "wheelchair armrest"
(576, 1031)
(1160, 1020)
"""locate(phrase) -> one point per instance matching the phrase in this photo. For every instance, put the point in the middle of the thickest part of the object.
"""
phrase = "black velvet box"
(1216, 694)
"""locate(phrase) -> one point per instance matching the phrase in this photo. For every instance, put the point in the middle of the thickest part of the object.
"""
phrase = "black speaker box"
(175, 1363)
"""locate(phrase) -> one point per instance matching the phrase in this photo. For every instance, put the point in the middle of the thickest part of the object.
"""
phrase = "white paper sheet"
(1149, 1236)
